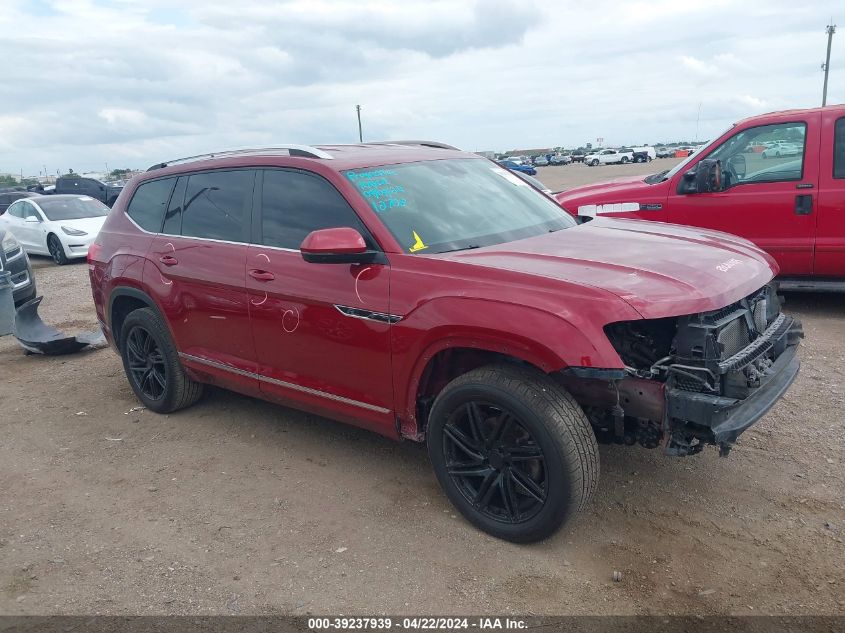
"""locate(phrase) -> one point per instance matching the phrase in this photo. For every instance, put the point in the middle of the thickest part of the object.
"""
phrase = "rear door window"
(839, 149)
(218, 205)
(173, 217)
(149, 202)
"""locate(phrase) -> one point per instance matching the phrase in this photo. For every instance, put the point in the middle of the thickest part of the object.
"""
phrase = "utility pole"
(361, 136)
(697, 120)
(830, 30)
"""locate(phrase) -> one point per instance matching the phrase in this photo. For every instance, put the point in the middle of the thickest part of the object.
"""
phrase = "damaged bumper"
(723, 419)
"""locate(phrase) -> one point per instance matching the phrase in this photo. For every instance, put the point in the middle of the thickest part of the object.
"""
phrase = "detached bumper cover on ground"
(39, 338)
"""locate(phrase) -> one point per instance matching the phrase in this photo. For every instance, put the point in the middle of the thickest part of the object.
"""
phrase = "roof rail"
(305, 151)
(436, 144)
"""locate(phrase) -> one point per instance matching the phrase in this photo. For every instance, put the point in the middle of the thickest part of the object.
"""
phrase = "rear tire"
(624, 159)
(513, 451)
(57, 251)
(152, 365)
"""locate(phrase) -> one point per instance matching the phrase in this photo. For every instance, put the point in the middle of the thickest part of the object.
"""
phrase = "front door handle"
(168, 260)
(261, 275)
(804, 204)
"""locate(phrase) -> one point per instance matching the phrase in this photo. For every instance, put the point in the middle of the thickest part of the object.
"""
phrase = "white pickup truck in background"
(609, 157)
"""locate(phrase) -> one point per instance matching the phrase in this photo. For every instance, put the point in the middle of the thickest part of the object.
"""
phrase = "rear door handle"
(803, 204)
(261, 275)
(168, 260)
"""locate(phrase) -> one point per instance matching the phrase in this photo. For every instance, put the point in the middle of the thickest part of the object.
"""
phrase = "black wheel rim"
(146, 363)
(55, 250)
(495, 462)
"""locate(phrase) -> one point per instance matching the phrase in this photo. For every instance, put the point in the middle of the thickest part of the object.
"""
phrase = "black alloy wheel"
(146, 362)
(513, 451)
(495, 462)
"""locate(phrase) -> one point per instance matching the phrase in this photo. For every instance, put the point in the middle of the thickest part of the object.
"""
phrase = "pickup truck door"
(770, 200)
(830, 241)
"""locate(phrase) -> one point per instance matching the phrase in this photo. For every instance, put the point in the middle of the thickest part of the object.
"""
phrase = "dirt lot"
(238, 506)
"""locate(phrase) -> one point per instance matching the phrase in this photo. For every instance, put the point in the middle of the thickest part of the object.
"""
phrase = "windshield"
(58, 209)
(446, 205)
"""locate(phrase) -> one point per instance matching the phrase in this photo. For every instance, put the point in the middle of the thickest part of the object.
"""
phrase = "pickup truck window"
(445, 205)
(839, 149)
(765, 153)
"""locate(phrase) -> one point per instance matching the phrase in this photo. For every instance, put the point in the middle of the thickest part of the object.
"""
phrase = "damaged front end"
(697, 379)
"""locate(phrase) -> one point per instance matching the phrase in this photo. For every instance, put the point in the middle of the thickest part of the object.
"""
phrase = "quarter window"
(148, 203)
(295, 203)
(839, 149)
(15, 209)
(217, 205)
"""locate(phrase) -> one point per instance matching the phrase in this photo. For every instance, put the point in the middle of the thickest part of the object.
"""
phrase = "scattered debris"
(114, 439)
(340, 550)
(37, 337)
(133, 410)
(81, 413)
(706, 592)
(617, 576)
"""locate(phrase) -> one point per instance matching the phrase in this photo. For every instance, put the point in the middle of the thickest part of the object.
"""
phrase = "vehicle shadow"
(821, 304)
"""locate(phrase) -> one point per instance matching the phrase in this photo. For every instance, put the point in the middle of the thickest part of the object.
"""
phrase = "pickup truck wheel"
(513, 451)
(152, 365)
(624, 159)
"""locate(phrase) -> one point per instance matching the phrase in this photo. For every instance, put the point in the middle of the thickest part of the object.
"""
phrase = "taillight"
(94, 252)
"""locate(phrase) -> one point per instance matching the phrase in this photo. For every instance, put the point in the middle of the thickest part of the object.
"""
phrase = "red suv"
(426, 293)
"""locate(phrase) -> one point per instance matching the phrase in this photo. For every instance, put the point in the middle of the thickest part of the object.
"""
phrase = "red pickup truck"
(777, 179)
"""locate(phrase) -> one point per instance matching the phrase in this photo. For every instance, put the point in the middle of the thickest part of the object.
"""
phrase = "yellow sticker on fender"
(418, 243)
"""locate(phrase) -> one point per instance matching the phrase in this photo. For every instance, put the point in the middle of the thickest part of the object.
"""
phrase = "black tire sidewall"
(557, 475)
(151, 322)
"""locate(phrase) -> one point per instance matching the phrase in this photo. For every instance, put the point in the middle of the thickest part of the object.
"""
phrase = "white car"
(61, 226)
(782, 148)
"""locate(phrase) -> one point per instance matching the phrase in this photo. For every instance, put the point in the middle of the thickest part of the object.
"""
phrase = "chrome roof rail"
(305, 151)
(435, 144)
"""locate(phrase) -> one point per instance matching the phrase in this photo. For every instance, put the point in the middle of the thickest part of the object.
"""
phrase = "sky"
(128, 83)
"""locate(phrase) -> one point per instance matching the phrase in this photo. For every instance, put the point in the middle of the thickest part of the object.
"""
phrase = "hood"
(659, 269)
(627, 184)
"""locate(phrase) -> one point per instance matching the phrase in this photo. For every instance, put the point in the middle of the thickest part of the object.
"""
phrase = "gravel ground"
(237, 506)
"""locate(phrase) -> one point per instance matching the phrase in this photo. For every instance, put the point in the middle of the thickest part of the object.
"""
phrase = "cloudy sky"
(133, 82)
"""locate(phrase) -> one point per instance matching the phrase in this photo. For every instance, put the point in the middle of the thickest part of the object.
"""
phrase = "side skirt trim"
(282, 383)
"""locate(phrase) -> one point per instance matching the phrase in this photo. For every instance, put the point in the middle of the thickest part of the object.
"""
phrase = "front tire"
(513, 451)
(57, 251)
(152, 365)
(594, 163)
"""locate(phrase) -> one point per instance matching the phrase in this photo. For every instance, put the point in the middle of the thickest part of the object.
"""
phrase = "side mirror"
(342, 245)
(32, 219)
(705, 177)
